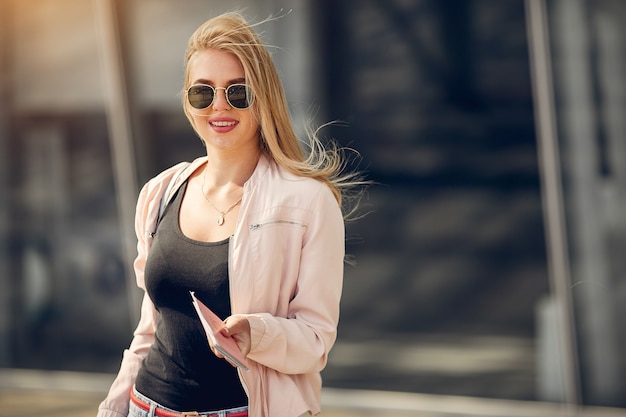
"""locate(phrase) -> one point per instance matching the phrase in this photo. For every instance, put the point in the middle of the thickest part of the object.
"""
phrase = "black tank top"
(180, 371)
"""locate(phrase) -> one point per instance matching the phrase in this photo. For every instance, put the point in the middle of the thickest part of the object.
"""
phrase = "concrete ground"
(77, 404)
(66, 394)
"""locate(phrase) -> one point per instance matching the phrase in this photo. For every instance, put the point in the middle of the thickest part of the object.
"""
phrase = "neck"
(229, 169)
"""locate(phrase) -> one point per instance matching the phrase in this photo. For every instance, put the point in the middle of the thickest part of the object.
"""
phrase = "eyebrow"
(230, 82)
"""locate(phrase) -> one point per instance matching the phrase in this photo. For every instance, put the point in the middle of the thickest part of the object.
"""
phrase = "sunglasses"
(201, 96)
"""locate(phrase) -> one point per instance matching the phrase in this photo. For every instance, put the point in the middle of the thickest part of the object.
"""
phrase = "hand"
(238, 328)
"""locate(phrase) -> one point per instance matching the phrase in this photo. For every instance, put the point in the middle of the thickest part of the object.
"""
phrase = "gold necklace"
(220, 219)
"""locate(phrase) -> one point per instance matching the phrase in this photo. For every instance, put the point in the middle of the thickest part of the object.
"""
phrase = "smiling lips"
(223, 125)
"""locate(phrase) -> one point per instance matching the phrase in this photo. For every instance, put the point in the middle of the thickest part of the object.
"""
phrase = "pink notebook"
(212, 325)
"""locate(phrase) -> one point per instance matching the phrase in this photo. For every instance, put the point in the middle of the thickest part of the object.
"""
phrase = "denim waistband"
(161, 410)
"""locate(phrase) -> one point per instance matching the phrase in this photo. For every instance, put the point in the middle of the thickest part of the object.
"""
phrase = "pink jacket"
(286, 275)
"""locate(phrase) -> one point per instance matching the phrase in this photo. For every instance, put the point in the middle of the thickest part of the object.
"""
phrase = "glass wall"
(452, 292)
(452, 260)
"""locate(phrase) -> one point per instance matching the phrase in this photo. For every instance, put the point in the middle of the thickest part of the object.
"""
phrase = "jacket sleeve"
(300, 342)
(117, 401)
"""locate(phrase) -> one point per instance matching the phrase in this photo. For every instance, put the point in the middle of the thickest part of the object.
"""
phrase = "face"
(220, 125)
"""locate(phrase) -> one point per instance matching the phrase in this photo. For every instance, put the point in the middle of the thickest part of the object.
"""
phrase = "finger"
(235, 325)
(216, 352)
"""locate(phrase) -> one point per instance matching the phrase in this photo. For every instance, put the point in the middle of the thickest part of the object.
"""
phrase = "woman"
(255, 229)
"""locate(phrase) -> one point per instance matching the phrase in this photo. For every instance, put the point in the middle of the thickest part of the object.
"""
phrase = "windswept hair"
(327, 163)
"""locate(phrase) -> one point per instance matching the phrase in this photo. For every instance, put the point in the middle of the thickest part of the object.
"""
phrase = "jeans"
(135, 411)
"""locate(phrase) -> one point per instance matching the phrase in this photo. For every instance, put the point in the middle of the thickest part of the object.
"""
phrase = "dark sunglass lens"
(200, 96)
(239, 96)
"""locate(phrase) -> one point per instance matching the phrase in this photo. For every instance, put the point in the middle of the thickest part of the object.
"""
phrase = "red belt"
(159, 412)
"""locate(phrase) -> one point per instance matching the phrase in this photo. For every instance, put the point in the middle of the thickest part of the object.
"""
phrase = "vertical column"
(552, 198)
(6, 290)
(611, 37)
(592, 287)
(120, 136)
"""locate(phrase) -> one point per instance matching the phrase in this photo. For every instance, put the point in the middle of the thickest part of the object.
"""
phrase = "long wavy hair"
(327, 163)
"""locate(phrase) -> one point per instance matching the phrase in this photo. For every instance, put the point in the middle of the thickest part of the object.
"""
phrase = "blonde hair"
(231, 33)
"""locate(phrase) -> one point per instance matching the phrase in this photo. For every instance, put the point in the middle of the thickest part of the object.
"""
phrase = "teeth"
(223, 124)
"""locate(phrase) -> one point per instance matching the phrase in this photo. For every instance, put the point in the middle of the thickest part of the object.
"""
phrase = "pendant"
(220, 220)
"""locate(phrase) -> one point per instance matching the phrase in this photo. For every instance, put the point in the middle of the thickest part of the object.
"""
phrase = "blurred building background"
(492, 262)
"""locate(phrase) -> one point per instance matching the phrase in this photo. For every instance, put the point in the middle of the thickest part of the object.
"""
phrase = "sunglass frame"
(248, 90)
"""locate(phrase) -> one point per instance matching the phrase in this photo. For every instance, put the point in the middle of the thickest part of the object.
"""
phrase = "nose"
(220, 102)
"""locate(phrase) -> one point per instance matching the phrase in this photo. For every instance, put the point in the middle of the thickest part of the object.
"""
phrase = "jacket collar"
(259, 172)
